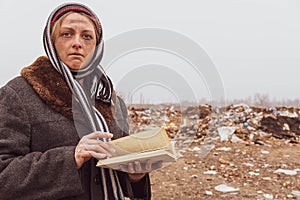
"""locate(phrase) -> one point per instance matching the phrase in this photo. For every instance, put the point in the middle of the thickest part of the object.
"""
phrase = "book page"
(141, 142)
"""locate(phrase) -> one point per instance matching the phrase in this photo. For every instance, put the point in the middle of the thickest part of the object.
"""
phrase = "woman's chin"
(75, 66)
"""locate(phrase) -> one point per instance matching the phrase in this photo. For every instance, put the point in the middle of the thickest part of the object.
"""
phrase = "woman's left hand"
(137, 170)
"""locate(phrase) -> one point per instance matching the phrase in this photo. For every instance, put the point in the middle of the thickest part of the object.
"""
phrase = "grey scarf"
(97, 84)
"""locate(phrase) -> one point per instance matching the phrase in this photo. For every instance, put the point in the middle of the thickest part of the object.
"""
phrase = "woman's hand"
(137, 170)
(89, 146)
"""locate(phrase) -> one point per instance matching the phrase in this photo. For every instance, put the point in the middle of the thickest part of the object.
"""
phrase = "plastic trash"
(286, 171)
(225, 132)
(225, 188)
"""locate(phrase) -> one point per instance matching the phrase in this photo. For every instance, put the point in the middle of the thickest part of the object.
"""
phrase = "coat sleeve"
(31, 175)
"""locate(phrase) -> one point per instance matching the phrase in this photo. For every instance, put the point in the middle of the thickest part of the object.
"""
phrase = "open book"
(152, 144)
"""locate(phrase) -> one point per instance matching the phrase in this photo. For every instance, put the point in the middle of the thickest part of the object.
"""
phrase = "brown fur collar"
(52, 88)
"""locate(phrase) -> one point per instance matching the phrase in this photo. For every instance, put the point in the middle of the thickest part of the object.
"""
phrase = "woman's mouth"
(76, 55)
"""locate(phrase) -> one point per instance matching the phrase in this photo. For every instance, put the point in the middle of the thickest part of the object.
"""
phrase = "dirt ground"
(263, 164)
(248, 167)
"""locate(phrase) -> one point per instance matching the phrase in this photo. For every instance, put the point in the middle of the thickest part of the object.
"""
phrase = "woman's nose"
(76, 42)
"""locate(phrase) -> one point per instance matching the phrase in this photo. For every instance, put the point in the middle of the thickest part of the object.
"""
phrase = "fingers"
(99, 149)
(138, 167)
(148, 165)
(98, 134)
(99, 146)
(131, 168)
(100, 143)
(81, 156)
(97, 155)
(89, 146)
(157, 165)
(90, 143)
(153, 166)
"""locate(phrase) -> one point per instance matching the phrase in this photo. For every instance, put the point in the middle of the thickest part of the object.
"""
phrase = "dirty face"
(75, 40)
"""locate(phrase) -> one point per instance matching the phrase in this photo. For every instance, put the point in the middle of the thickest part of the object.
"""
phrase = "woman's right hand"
(89, 146)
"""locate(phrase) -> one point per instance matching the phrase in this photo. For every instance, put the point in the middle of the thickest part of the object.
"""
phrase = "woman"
(56, 117)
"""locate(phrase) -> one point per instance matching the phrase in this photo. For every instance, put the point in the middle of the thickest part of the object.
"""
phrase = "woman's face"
(75, 41)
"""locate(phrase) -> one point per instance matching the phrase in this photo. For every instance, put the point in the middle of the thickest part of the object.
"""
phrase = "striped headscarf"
(95, 79)
(97, 84)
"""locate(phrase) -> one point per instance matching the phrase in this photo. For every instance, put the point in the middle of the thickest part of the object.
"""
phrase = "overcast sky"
(254, 44)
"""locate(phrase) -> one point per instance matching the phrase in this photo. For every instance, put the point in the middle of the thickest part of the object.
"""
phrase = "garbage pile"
(238, 122)
(243, 122)
(144, 118)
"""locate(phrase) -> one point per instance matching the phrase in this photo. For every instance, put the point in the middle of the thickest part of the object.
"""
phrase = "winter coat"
(38, 138)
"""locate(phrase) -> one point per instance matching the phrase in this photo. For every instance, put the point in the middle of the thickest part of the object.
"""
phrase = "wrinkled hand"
(89, 146)
(137, 170)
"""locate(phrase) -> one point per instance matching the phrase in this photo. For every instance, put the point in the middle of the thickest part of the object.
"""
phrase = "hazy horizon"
(253, 44)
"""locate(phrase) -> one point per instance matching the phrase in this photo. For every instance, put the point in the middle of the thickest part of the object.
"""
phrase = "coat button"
(97, 180)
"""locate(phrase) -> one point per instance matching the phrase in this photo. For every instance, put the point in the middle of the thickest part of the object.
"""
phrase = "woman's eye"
(87, 37)
(66, 34)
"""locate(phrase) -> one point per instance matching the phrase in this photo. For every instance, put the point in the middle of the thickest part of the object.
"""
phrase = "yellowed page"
(141, 142)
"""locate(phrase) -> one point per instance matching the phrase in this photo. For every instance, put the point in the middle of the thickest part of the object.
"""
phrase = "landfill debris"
(265, 152)
(267, 178)
(236, 123)
(235, 139)
(209, 193)
(255, 157)
(265, 165)
(194, 176)
(225, 188)
(253, 174)
(285, 184)
(296, 194)
(248, 164)
(185, 168)
(268, 196)
(196, 149)
(210, 172)
(226, 132)
(224, 161)
(287, 172)
(223, 149)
